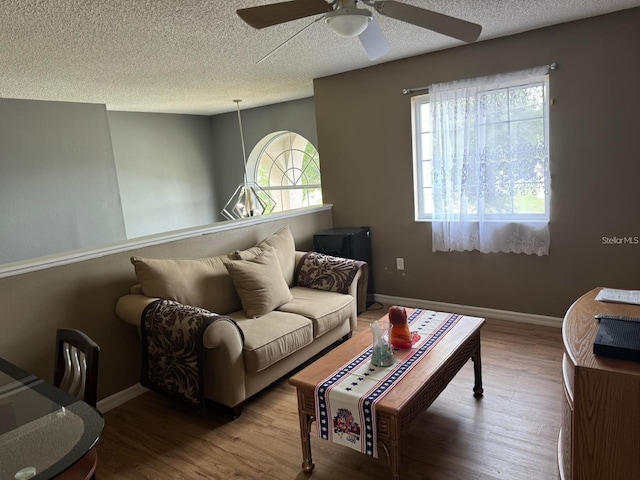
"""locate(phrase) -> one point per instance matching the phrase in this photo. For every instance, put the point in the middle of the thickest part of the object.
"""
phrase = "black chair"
(76, 367)
(76, 372)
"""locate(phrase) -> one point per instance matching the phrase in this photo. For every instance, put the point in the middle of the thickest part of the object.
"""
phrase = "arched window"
(287, 167)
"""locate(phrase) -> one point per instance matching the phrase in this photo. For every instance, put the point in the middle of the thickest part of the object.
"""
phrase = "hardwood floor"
(509, 434)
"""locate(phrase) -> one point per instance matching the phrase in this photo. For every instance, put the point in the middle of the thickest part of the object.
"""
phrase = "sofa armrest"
(299, 256)
(358, 287)
(224, 367)
(130, 308)
(223, 363)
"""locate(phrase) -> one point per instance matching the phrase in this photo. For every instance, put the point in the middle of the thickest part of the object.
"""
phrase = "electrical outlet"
(400, 263)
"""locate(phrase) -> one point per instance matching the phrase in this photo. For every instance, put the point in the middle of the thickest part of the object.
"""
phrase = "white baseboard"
(471, 311)
(121, 397)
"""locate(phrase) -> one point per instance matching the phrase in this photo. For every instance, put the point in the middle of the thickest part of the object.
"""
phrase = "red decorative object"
(401, 336)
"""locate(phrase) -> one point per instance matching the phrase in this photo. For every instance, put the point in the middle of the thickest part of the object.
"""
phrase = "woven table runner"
(345, 400)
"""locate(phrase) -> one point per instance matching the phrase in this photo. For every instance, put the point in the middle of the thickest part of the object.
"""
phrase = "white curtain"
(490, 163)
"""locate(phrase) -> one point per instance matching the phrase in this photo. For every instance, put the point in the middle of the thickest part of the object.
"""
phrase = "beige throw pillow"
(203, 283)
(283, 243)
(259, 283)
(247, 254)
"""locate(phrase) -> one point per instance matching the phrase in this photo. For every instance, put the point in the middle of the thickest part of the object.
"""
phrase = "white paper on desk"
(619, 296)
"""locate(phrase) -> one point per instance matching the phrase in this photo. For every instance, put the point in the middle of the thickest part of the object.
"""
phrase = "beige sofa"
(283, 323)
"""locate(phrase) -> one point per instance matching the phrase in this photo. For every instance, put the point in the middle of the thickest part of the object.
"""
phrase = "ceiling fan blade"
(374, 41)
(288, 40)
(444, 24)
(276, 13)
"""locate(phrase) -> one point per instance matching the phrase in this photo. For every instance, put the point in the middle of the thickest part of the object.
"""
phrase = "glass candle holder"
(382, 355)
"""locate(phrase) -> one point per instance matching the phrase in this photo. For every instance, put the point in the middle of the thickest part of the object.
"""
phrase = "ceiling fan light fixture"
(348, 22)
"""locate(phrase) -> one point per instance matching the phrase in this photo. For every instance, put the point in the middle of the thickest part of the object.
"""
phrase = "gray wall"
(595, 166)
(74, 176)
(296, 116)
(58, 186)
(164, 165)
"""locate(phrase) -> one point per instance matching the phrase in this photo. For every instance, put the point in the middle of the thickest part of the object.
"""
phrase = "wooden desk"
(407, 399)
(600, 433)
(42, 428)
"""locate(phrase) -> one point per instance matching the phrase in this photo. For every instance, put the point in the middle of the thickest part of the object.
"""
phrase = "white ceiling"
(196, 56)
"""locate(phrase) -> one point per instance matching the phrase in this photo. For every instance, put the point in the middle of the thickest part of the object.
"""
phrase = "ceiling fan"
(347, 20)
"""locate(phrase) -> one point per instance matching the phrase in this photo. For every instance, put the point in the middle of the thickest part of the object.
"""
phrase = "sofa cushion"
(259, 283)
(327, 310)
(284, 245)
(203, 283)
(272, 337)
(247, 254)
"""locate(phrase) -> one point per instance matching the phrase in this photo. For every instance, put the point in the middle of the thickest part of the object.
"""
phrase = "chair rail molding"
(51, 261)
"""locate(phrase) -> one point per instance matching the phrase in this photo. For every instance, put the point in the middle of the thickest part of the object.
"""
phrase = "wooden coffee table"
(406, 399)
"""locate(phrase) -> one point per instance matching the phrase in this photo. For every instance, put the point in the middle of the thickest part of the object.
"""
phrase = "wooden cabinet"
(600, 433)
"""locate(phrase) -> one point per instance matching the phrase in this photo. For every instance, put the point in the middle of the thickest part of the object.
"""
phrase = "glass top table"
(43, 430)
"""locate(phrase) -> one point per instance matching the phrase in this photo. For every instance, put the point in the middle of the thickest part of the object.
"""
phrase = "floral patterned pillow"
(324, 272)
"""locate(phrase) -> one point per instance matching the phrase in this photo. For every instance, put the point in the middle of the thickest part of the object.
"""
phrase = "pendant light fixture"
(249, 199)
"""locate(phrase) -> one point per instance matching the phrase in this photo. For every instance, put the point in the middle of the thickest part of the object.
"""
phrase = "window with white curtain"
(481, 163)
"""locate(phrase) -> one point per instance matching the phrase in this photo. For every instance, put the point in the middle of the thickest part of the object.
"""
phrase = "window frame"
(255, 160)
(418, 163)
(417, 132)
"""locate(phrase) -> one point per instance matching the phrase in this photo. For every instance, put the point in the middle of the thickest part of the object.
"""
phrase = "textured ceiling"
(196, 56)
